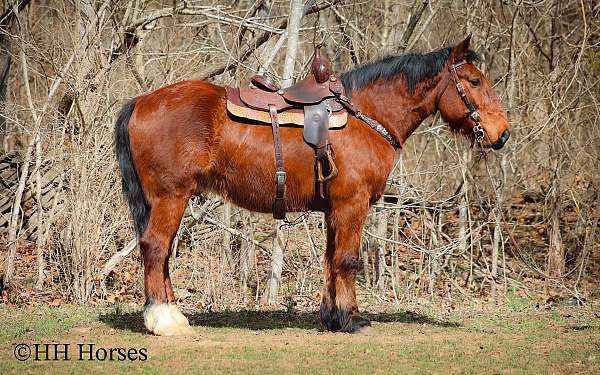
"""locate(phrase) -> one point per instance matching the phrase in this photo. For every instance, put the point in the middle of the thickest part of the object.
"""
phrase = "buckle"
(280, 177)
(479, 132)
(475, 116)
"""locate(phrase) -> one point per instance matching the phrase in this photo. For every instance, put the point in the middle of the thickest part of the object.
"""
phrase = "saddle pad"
(290, 117)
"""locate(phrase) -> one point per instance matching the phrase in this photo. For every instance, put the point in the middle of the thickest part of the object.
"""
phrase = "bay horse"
(179, 141)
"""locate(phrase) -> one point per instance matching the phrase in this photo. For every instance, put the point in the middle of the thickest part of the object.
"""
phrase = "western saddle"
(313, 103)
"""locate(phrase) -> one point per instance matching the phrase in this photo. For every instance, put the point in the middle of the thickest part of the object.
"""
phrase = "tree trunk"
(463, 208)
(5, 61)
(501, 194)
(416, 12)
(293, 29)
(382, 223)
(296, 12)
(41, 233)
(247, 258)
(556, 251)
(272, 288)
(14, 218)
(226, 235)
(6, 19)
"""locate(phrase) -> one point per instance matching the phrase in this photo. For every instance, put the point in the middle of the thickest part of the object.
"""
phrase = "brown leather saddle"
(311, 103)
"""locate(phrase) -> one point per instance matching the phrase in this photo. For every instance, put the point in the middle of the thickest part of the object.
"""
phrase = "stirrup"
(330, 159)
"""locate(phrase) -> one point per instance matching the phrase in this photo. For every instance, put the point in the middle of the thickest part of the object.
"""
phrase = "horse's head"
(469, 100)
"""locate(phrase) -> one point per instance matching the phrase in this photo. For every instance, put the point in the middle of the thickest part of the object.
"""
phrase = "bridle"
(480, 134)
(478, 130)
(474, 115)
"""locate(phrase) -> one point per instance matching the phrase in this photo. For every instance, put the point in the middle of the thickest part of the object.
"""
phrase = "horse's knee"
(347, 264)
(153, 250)
(350, 263)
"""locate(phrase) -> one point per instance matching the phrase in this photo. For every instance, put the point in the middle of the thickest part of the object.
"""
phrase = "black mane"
(413, 66)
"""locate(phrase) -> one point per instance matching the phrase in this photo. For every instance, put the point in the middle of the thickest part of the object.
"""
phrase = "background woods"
(66, 67)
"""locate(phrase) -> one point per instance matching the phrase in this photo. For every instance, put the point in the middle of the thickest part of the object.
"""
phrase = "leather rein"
(480, 133)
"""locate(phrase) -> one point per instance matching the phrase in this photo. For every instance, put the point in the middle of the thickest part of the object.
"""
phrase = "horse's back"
(192, 97)
(172, 131)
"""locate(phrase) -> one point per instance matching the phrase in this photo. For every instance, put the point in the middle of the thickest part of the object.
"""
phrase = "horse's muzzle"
(502, 140)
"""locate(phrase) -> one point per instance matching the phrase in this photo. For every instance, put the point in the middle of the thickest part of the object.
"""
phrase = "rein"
(515, 249)
(480, 134)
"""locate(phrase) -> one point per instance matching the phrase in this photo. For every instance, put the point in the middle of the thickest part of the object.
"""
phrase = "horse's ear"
(459, 51)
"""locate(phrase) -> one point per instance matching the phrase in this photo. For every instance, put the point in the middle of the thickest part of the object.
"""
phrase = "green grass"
(40, 321)
(254, 342)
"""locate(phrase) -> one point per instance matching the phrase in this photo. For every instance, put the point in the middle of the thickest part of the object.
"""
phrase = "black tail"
(138, 205)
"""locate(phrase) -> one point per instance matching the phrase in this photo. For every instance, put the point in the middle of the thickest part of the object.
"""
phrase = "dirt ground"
(529, 341)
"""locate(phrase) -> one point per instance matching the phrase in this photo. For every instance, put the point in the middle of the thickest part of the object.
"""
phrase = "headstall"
(478, 130)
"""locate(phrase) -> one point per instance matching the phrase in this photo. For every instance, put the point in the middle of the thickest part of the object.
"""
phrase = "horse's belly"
(247, 175)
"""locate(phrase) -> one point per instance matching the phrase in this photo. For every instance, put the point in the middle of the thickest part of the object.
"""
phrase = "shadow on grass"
(265, 320)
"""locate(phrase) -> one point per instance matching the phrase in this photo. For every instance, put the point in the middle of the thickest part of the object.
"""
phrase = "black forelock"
(415, 67)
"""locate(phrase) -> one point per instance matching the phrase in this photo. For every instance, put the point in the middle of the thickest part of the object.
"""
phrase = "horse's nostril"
(502, 140)
(504, 137)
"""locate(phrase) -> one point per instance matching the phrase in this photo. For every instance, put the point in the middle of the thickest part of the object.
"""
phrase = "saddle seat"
(306, 92)
(313, 89)
(253, 102)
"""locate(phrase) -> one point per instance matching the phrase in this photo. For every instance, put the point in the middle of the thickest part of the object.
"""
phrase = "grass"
(527, 342)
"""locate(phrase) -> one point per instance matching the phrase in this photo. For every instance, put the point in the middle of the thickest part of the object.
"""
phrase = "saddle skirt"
(288, 114)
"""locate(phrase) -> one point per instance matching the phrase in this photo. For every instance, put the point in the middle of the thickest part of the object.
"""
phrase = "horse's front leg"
(339, 309)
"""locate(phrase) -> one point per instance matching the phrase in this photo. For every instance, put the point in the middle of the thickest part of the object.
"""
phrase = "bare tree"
(443, 238)
(293, 30)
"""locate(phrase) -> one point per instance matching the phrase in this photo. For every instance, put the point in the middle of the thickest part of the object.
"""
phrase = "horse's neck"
(398, 110)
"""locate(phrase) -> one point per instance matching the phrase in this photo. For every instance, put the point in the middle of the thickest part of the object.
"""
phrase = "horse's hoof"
(174, 330)
(177, 315)
(357, 324)
(365, 330)
(166, 320)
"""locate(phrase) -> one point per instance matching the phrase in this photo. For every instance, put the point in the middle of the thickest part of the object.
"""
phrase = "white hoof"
(166, 320)
(365, 330)
(177, 315)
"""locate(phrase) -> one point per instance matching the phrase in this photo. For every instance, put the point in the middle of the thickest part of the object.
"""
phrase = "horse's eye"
(475, 82)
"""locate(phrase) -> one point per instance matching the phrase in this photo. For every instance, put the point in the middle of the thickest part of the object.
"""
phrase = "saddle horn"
(320, 67)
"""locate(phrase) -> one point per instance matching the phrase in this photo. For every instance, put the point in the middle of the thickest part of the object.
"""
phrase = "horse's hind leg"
(339, 309)
(161, 315)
